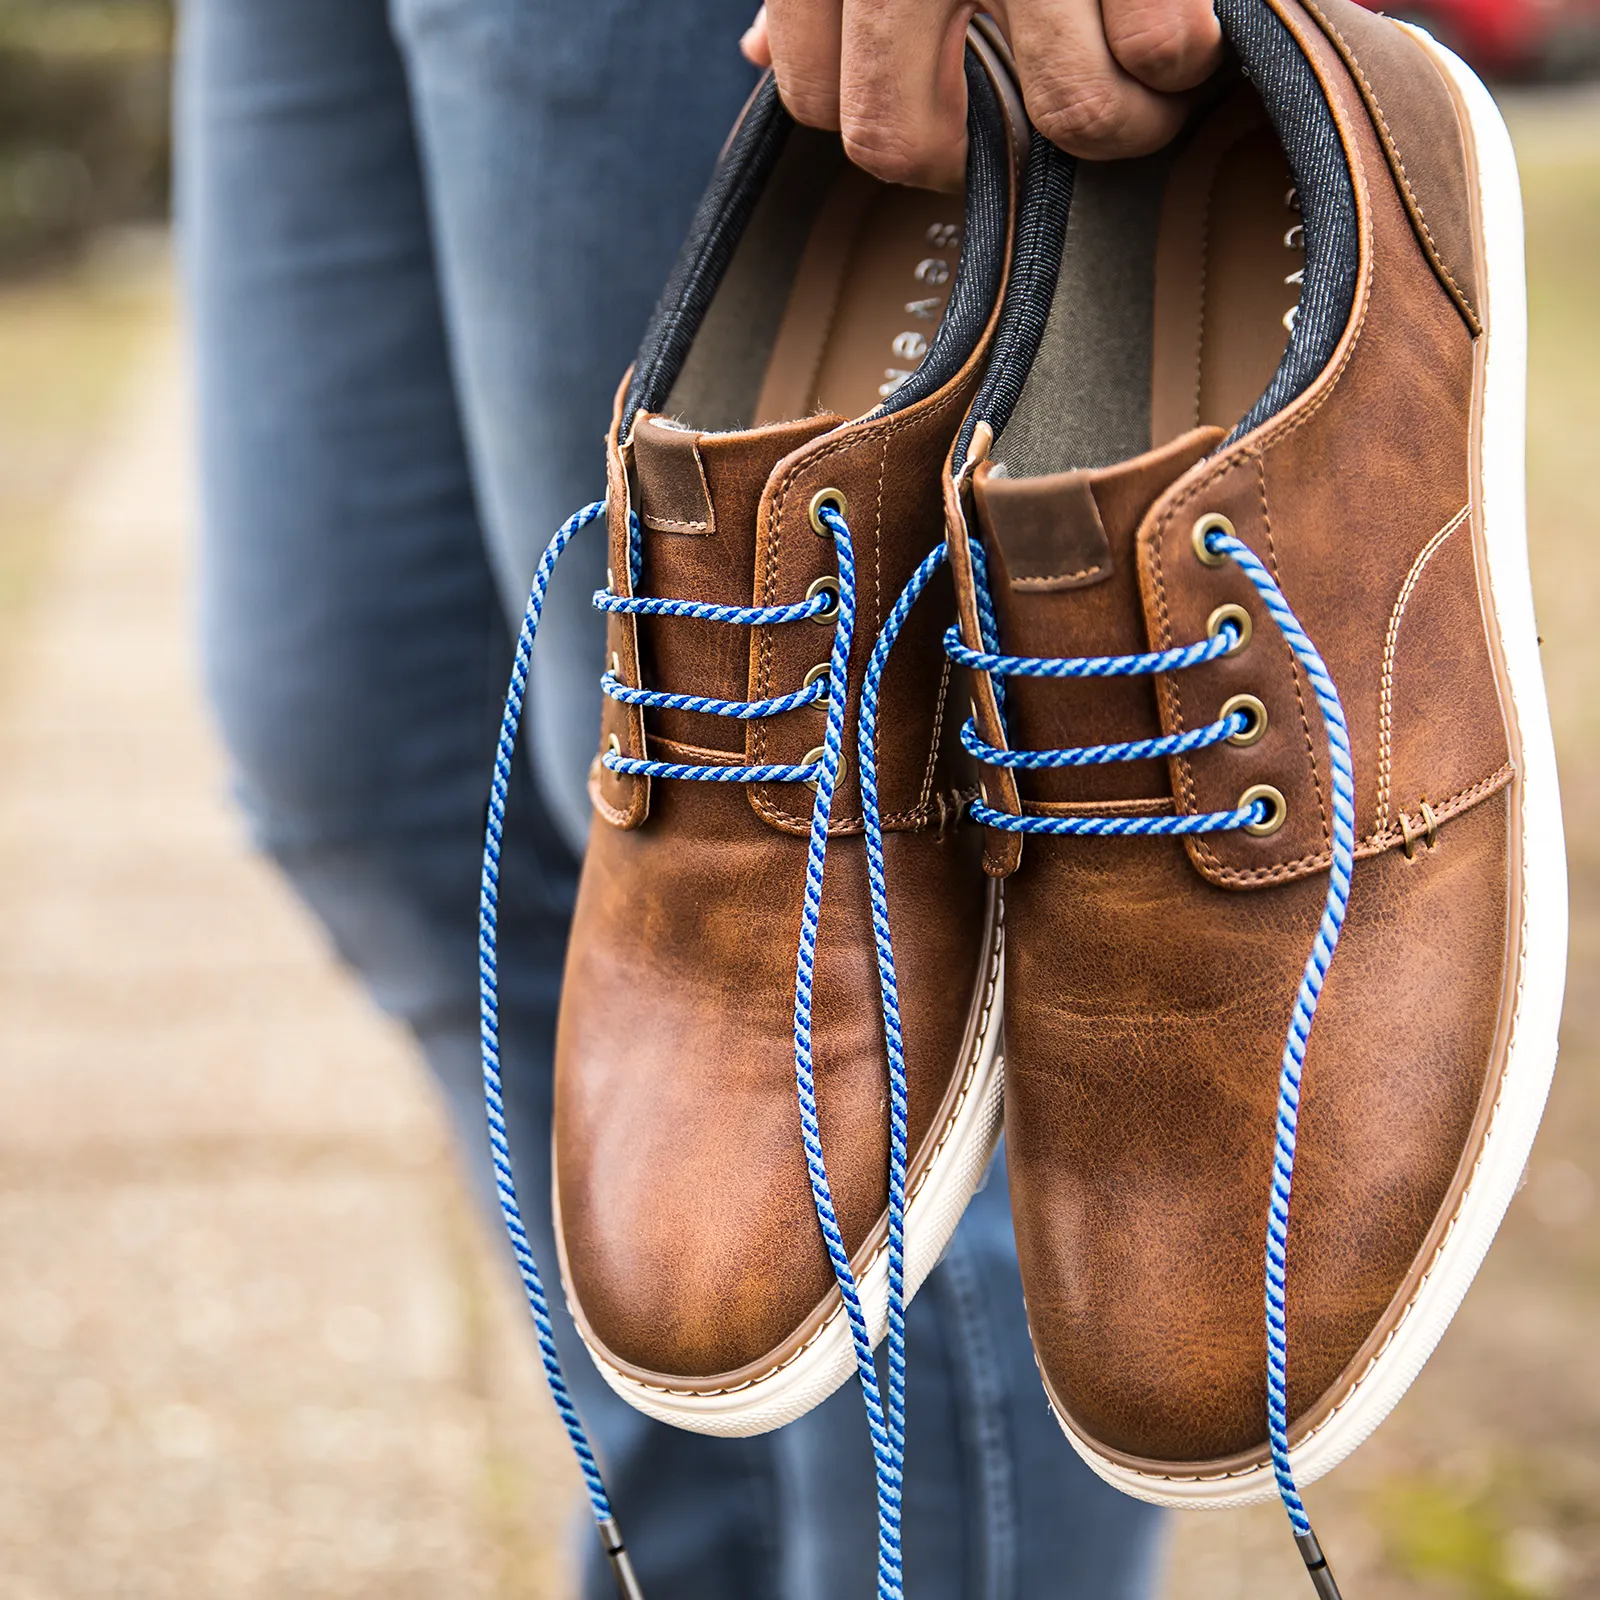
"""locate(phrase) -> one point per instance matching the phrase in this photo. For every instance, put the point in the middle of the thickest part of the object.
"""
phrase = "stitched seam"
(1396, 162)
(1294, 666)
(636, 788)
(1374, 843)
(1167, 689)
(1059, 577)
(969, 1073)
(926, 797)
(1098, 808)
(1390, 648)
(673, 525)
(764, 807)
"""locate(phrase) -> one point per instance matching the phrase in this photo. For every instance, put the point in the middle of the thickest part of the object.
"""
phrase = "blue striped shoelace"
(886, 1416)
(1254, 812)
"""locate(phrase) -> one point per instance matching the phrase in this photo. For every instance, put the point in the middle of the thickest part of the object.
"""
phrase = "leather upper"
(1150, 981)
(690, 1245)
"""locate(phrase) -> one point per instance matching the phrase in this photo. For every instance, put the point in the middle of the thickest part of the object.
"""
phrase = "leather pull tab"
(1048, 530)
(673, 495)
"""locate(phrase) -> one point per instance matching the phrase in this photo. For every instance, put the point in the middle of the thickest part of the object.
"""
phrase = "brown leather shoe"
(1304, 326)
(808, 294)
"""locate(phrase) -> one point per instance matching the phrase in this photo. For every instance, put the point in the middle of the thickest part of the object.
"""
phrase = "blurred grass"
(84, 112)
(68, 343)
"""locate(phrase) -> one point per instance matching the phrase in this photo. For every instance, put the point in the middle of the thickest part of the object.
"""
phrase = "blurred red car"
(1510, 38)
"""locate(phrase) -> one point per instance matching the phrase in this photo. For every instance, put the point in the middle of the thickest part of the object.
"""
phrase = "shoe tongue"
(1063, 570)
(697, 497)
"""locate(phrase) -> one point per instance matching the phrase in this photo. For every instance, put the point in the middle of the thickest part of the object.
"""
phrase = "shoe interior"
(1180, 279)
(832, 299)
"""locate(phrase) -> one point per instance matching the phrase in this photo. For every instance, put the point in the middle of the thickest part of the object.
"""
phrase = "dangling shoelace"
(886, 1423)
(1252, 812)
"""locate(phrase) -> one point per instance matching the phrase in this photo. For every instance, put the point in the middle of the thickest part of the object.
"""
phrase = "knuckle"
(812, 97)
(1162, 45)
(1158, 47)
(880, 146)
(1086, 119)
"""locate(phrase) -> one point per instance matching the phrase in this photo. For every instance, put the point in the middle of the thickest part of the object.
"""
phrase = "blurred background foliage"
(84, 136)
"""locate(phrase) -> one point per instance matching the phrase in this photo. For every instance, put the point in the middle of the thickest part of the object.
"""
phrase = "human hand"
(1102, 78)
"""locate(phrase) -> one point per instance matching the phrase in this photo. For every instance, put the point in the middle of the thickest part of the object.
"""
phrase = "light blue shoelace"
(886, 1423)
(1000, 667)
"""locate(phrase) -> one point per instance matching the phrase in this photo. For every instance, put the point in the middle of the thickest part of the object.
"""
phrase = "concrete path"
(251, 1341)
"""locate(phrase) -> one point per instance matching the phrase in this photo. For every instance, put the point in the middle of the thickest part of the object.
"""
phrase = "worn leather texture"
(1149, 982)
(689, 1241)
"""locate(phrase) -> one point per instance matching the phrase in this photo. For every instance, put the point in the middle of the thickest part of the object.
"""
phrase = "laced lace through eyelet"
(829, 587)
(1234, 619)
(1251, 715)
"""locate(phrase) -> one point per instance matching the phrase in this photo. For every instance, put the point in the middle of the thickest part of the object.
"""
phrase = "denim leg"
(564, 148)
(355, 642)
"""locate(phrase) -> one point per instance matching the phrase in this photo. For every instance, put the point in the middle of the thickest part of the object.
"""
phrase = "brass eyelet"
(613, 745)
(811, 758)
(1277, 809)
(825, 586)
(826, 497)
(1253, 709)
(616, 665)
(1211, 522)
(1239, 617)
(821, 670)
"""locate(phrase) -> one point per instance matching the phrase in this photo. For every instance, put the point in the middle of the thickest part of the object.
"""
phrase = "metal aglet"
(1322, 1579)
(621, 1566)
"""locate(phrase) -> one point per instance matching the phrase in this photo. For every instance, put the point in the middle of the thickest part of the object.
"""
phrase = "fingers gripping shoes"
(1256, 678)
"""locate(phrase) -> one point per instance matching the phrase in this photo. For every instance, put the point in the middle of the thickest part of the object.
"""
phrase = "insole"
(869, 291)
(1229, 257)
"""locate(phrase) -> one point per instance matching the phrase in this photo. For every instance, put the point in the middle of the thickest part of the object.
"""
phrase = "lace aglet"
(1321, 1574)
(621, 1567)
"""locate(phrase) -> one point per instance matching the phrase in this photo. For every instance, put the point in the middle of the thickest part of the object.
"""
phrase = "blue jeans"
(421, 239)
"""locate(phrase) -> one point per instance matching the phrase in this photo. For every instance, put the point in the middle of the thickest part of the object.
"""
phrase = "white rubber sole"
(827, 1360)
(1543, 935)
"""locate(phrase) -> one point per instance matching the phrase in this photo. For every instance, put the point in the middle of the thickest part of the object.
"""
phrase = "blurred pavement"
(252, 1342)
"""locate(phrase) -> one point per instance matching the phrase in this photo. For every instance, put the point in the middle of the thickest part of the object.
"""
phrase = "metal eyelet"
(821, 670)
(616, 665)
(1277, 809)
(811, 758)
(825, 586)
(826, 497)
(1239, 617)
(1211, 522)
(613, 745)
(1253, 709)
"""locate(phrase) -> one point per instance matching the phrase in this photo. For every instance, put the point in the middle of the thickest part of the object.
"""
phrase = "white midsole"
(1543, 949)
(828, 1359)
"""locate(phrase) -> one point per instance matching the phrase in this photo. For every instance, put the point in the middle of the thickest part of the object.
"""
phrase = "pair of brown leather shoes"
(1226, 445)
